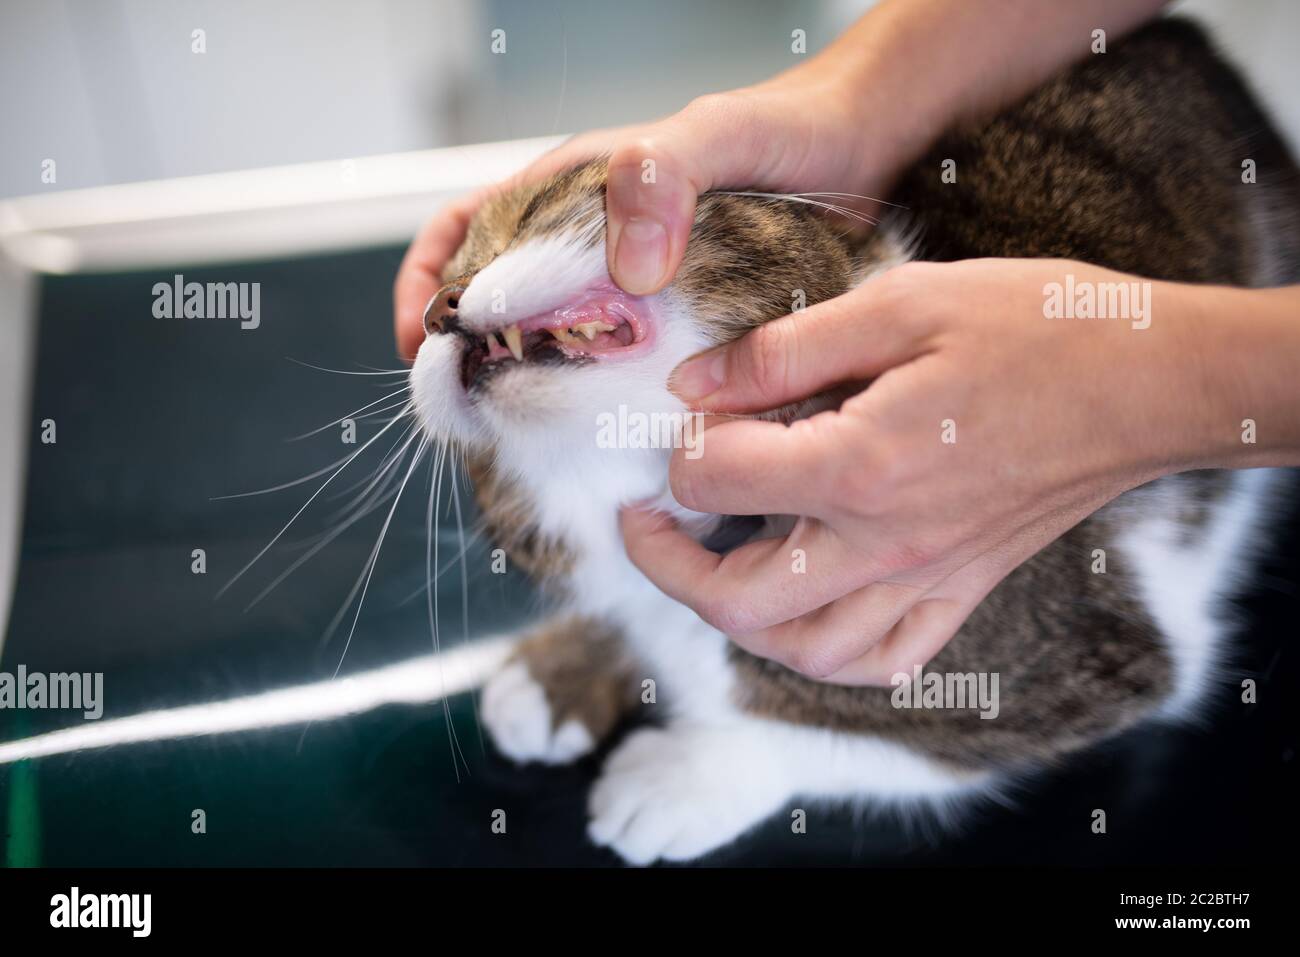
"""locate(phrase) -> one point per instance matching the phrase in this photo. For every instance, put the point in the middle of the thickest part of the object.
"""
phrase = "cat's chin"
(444, 410)
(565, 409)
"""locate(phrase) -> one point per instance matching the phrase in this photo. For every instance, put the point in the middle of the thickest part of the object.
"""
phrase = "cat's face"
(530, 341)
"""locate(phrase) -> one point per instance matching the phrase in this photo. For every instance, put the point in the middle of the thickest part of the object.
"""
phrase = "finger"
(419, 276)
(916, 638)
(656, 175)
(851, 338)
(823, 642)
(929, 624)
(751, 588)
(754, 467)
(573, 151)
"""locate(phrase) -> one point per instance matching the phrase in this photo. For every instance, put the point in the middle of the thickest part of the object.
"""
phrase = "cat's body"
(1132, 160)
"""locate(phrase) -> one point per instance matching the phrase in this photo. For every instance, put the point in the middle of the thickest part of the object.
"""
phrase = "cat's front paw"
(679, 792)
(518, 715)
(562, 691)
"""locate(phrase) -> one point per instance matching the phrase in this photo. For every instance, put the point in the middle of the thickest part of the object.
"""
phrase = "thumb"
(851, 338)
(655, 178)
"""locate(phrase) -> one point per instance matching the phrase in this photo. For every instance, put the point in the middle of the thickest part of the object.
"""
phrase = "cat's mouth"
(605, 323)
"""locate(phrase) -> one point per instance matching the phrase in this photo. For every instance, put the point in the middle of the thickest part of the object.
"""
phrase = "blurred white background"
(111, 91)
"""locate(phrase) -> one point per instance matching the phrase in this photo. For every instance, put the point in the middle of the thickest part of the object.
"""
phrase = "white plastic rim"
(251, 214)
(417, 681)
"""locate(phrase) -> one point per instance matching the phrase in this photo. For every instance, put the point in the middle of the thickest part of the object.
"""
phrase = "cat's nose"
(441, 310)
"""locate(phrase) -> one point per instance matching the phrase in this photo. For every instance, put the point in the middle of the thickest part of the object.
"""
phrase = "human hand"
(797, 132)
(844, 121)
(986, 432)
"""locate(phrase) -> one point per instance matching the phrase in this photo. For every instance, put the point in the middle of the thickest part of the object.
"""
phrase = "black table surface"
(158, 418)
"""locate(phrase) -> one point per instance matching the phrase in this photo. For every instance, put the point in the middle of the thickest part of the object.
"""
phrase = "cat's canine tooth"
(515, 342)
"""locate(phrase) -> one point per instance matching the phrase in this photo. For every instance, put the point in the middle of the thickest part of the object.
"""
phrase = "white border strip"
(418, 681)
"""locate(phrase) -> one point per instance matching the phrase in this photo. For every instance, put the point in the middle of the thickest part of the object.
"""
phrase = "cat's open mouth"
(604, 323)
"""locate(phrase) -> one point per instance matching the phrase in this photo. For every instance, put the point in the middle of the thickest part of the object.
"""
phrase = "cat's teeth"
(491, 338)
(564, 335)
(515, 342)
(592, 329)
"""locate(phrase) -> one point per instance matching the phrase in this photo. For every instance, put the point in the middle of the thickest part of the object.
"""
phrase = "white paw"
(517, 715)
(679, 792)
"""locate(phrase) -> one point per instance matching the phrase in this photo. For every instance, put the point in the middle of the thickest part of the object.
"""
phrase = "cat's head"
(531, 348)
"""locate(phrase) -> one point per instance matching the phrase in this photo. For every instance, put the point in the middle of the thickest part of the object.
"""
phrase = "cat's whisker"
(369, 476)
(821, 193)
(308, 365)
(382, 415)
(361, 504)
(315, 549)
(307, 478)
(279, 488)
(467, 544)
(378, 488)
(352, 415)
(869, 199)
(464, 566)
(464, 595)
(280, 534)
(803, 198)
(837, 208)
(430, 560)
(369, 569)
(379, 371)
(382, 496)
(377, 476)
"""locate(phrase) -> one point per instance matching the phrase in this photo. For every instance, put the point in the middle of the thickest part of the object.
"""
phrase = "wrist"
(1241, 376)
(865, 84)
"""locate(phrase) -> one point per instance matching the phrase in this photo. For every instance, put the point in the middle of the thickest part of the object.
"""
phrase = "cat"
(1130, 160)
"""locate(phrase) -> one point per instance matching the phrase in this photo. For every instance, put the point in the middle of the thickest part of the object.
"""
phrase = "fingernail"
(700, 377)
(642, 255)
